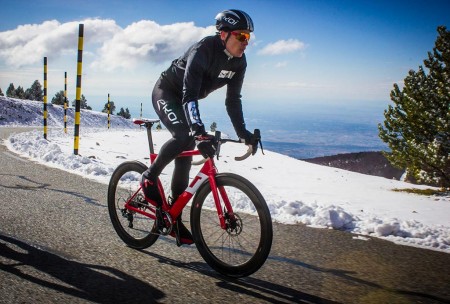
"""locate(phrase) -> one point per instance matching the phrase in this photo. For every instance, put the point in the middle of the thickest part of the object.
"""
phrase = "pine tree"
(112, 108)
(417, 127)
(59, 98)
(20, 93)
(124, 113)
(83, 103)
(11, 91)
(35, 92)
(1, 92)
(213, 126)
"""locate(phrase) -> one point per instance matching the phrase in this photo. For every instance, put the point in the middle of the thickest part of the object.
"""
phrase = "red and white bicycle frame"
(206, 174)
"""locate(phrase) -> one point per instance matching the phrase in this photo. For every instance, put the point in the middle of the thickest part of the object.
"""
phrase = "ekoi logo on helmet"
(230, 20)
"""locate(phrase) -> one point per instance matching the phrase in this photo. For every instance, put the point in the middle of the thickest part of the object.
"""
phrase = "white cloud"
(295, 84)
(109, 45)
(28, 44)
(281, 64)
(146, 41)
(282, 47)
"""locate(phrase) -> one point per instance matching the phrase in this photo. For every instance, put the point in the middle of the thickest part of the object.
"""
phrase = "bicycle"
(230, 221)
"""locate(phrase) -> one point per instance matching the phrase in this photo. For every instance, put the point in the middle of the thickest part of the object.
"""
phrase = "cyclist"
(209, 64)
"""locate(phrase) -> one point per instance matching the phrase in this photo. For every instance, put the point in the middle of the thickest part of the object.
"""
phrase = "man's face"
(237, 42)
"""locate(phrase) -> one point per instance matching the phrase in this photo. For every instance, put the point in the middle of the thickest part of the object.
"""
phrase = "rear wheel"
(135, 229)
(243, 247)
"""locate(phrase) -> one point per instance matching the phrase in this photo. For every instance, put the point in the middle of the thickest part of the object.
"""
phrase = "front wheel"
(244, 245)
(135, 229)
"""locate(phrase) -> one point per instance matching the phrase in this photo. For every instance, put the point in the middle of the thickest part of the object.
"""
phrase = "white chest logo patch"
(226, 74)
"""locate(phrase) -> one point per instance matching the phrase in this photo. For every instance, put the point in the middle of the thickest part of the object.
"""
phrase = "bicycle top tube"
(189, 153)
(186, 153)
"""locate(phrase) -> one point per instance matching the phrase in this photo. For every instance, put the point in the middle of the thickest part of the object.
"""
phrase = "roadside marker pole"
(108, 112)
(141, 116)
(78, 91)
(65, 102)
(45, 97)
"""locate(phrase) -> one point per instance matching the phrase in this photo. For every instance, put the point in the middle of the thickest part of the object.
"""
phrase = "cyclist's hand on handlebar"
(198, 129)
(253, 139)
(206, 144)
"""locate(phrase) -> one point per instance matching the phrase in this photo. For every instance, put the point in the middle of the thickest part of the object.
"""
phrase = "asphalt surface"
(57, 245)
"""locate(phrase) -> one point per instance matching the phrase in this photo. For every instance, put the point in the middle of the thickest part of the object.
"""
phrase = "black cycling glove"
(206, 144)
(253, 139)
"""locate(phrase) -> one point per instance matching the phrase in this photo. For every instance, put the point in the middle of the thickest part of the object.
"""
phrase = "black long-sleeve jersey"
(206, 67)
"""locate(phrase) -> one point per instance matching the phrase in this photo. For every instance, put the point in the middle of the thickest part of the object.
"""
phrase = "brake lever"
(218, 136)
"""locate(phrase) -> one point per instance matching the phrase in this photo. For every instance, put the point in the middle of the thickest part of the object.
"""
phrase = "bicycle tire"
(124, 183)
(231, 252)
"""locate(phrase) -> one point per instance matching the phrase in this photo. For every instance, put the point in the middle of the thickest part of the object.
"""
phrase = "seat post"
(149, 126)
(148, 123)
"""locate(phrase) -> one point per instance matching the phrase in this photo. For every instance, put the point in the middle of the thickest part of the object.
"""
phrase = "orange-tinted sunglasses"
(241, 36)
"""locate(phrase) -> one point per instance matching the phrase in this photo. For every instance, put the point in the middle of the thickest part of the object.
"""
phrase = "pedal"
(164, 221)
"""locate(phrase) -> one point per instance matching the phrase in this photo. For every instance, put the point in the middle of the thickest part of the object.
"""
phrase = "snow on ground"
(295, 191)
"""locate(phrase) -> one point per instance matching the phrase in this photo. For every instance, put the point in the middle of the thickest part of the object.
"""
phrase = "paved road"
(57, 246)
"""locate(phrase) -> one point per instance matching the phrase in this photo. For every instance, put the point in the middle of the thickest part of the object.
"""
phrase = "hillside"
(372, 163)
(19, 112)
(31, 113)
(301, 192)
(13, 111)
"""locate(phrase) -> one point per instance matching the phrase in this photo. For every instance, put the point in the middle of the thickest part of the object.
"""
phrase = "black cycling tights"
(168, 106)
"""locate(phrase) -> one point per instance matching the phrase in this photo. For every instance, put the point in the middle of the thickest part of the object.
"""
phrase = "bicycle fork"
(226, 215)
(215, 193)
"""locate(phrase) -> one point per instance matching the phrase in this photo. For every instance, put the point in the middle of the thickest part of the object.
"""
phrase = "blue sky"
(302, 52)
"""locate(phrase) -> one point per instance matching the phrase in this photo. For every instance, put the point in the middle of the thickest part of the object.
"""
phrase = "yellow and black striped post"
(45, 97)
(65, 102)
(76, 142)
(108, 112)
